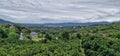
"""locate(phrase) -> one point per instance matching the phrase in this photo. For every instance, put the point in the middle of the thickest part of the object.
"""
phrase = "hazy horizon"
(58, 11)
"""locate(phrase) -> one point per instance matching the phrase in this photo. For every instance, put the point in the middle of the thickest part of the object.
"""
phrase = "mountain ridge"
(5, 22)
(58, 24)
(65, 24)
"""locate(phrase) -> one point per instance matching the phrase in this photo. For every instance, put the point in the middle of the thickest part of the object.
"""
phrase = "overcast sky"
(59, 11)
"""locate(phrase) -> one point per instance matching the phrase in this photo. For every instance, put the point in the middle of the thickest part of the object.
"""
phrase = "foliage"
(61, 41)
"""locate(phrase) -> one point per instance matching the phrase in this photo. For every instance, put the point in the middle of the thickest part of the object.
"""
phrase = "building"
(34, 35)
(21, 36)
(12, 27)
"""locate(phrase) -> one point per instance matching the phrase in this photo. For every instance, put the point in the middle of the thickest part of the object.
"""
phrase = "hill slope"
(5, 22)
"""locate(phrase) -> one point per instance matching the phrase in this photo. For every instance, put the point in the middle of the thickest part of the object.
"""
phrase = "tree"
(78, 36)
(18, 28)
(65, 35)
(13, 35)
(7, 25)
(28, 36)
(3, 34)
(117, 35)
(48, 37)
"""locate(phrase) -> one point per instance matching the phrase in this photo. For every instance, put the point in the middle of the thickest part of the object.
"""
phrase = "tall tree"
(65, 35)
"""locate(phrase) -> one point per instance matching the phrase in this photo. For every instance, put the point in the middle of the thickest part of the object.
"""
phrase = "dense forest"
(99, 40)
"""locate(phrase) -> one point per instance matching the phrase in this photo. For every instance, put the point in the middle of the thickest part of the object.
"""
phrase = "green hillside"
(61, 41)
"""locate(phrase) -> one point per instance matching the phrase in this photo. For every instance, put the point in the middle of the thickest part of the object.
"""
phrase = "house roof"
(33, 33)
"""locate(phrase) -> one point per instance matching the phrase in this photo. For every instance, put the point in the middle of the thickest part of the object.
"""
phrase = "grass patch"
(37, 39)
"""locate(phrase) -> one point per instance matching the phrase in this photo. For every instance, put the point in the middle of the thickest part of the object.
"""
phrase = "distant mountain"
(78, 24)
(59, 24)
(5, 22)
(118, 22)
(64, 24)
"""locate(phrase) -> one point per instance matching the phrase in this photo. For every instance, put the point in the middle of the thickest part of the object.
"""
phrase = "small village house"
(12, 26)
(34, 35)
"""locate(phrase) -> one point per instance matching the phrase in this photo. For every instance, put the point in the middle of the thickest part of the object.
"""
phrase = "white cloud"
(57, 11)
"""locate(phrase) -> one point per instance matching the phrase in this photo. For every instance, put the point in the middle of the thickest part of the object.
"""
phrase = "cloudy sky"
(59, 11)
